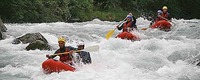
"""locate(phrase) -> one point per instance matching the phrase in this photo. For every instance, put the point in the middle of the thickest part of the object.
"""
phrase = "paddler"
(165, 14)
(83, 56)
(129, 25)
(65, 58)
(161, 15)
(159, 12)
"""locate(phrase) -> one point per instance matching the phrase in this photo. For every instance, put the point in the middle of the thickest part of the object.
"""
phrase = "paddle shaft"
(121, 23)
(65, 53)
(88, 49)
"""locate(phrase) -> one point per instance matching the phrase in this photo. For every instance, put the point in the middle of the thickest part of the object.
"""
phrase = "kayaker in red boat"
(165, 14)
(129, 25)
(66, 58)
(162, 15)
(159, 12)
(82, 56)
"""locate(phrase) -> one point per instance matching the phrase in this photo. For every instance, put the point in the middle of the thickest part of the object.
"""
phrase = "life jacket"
(85, 57)
(65, 57)
(165, 15)
(126, 26)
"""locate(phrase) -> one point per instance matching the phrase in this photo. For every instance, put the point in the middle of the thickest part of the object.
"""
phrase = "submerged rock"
(183, 78)
(175, 56)
(184, 55)
(16, 41)
(38, 44)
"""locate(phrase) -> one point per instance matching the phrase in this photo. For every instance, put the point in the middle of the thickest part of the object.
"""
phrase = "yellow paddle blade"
(144, 29)
(109, 34)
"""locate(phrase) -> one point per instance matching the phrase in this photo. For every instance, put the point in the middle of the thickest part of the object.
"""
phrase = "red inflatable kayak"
(128, 36)
(51, 65)
(162, 25)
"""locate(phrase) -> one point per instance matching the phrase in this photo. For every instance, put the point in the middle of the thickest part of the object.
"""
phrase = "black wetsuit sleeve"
(134, 23)
(134, 20)
(53, 56)
(120, 27)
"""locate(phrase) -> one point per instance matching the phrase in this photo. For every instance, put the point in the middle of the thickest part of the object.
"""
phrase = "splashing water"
(158, 56)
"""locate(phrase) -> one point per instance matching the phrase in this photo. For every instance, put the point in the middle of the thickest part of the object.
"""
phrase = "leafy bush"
(84, 10)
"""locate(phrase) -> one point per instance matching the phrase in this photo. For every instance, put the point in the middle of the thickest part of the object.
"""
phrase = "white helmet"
(159, 12)
(80, 43)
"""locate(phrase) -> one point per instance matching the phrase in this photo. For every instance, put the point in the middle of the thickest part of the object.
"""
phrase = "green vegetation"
(84, 10)
(34, 10)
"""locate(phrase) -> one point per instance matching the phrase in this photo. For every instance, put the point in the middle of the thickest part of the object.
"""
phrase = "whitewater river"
(158, 56)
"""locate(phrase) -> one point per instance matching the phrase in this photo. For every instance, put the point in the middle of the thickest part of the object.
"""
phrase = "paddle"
(110, 32)
(146, 28)
(93, 48)
(168, 20)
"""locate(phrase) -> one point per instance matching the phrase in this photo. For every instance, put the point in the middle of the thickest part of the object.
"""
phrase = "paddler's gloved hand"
(117, 26)
(71, 52)
(129, 29)
(48, 56)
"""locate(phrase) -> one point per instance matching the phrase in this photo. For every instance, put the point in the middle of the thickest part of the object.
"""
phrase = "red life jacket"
(126, 26)
(165, 15)
(65, 57)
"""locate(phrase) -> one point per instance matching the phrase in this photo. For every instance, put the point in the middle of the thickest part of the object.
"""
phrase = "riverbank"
(38, 11)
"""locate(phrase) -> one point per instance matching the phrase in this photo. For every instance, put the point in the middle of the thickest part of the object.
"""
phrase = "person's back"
(85, 57)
